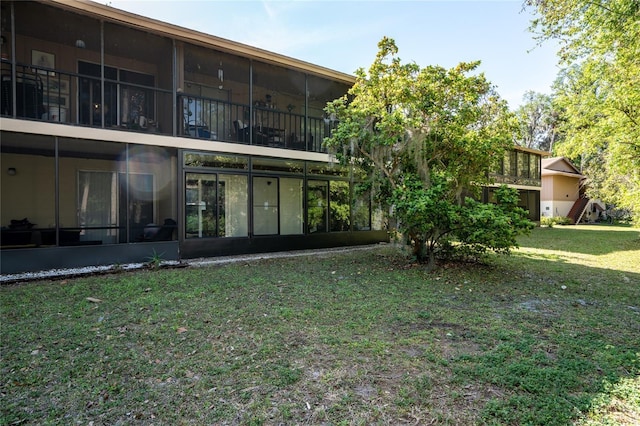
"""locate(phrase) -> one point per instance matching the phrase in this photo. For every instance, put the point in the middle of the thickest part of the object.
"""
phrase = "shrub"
(546, 221)
(437, 226)
(555, 220)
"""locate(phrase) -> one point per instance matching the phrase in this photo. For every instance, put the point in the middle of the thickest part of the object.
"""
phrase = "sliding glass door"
(265, 206)
(201, 206)
(292, 208)
(216, 205)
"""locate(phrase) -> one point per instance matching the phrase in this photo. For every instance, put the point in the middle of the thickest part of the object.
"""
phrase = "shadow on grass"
(584, 239)
(572, 343)
(357, 338)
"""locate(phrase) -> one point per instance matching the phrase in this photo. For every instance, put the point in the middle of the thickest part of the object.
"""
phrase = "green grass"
(547, 336)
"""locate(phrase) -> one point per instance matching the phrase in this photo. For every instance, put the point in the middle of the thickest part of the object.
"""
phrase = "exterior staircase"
(578, 209)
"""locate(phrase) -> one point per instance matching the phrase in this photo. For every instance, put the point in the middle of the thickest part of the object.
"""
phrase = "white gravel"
(91, 270)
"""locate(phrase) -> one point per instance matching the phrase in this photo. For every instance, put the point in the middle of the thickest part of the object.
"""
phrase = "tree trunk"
(418, 248)
(431, 262)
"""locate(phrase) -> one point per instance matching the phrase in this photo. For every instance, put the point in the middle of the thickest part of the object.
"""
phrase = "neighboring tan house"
(563, 195)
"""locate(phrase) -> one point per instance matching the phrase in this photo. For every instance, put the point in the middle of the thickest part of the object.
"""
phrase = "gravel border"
(198, 262)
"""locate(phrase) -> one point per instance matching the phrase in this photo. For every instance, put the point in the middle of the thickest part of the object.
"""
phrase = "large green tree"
(427, 137)
(538, 120)
(598, 90)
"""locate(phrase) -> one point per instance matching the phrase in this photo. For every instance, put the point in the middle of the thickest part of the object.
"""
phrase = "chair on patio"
(242, 131)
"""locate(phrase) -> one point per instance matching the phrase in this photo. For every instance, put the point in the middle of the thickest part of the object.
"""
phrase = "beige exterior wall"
(30, 192)
(565, 188)
(555, 208)
(546, 208)
(558, 195)
(546, 192)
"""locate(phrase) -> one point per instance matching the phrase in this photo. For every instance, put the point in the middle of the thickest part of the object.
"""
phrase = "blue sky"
(343, 35)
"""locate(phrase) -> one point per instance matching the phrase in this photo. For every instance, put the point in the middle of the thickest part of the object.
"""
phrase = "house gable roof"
(560, 166)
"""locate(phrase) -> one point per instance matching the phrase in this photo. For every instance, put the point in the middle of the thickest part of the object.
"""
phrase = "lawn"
(547, 336)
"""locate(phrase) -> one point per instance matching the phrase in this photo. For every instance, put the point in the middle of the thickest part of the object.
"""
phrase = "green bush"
(437, 226)
(546, 221)
(555, 220)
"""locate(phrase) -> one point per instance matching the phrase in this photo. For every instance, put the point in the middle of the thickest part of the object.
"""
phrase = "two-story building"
(124, 138)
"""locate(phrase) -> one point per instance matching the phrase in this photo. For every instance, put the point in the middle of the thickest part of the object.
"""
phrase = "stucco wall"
(546, 191)
(555, 208)
(30, 192)
(565, 188)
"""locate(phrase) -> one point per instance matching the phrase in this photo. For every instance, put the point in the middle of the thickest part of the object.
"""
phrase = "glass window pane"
(327, 169)
(317, 194)
(378, 219)
(201, 205)
(506, 163)
(90, 95)
(276, 165)
(339, 206)
(137, 104)
(233, 200)
(510, 164)
(291, 208)
(523, 164)
(216, 207)
(534, 168)
(151, 191)
(265, 206)
(195, 159)
(361, 208)
(90, 192)
(98, 205)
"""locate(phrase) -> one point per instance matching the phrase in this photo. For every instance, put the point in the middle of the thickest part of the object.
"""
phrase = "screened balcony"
(85, 71)
(518, 167)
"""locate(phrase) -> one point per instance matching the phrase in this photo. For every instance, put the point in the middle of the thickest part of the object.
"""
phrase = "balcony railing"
(76, 99)
(69, 98)
(208, 118)
(515, 180)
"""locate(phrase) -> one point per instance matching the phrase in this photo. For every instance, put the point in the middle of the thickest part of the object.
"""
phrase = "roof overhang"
(546, 172)
(531, 150)
(108, 13)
